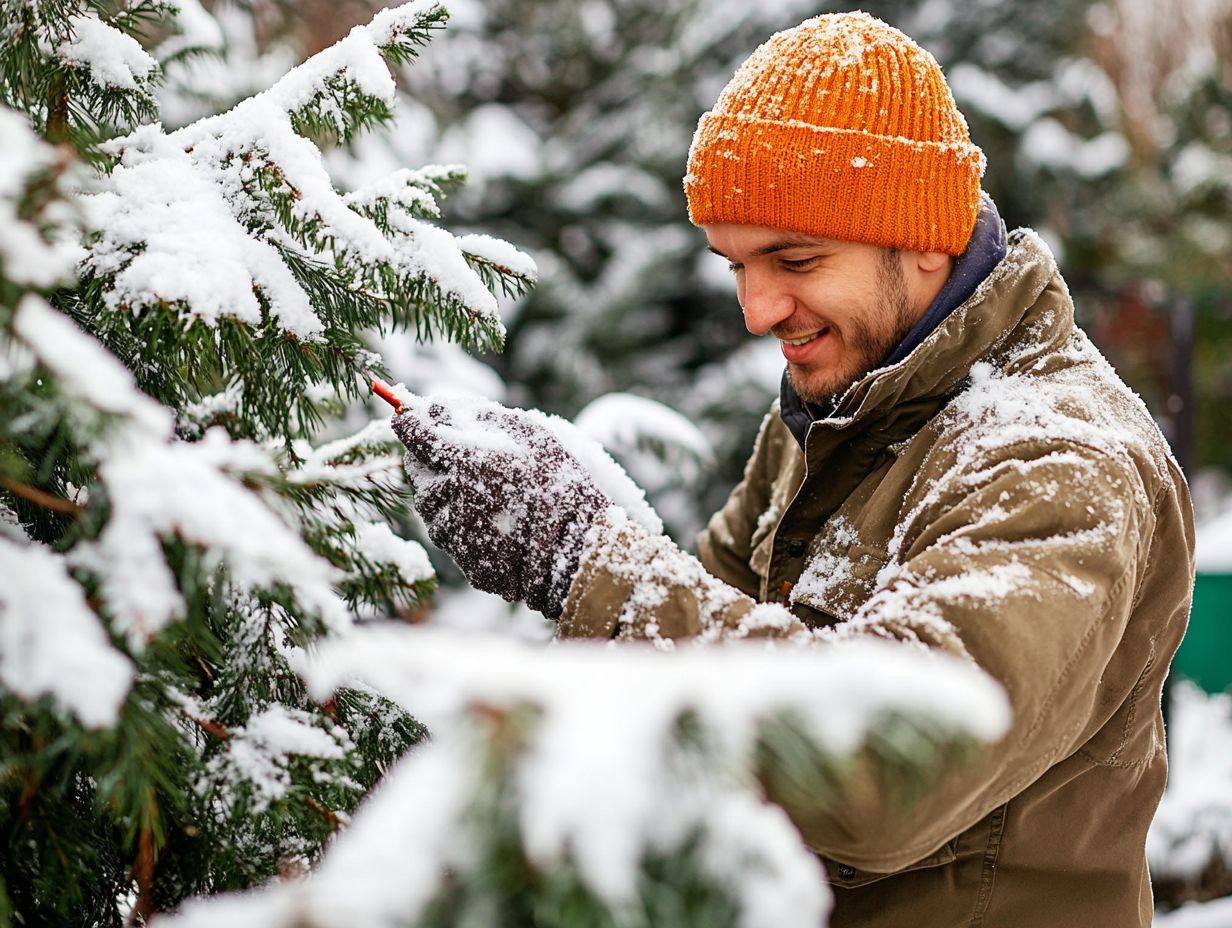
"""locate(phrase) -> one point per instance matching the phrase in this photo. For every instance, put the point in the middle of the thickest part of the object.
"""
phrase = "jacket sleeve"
(632, 584)
(1028, 559)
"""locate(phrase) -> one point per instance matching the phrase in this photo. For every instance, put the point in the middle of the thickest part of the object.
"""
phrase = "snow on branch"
(114, 60)
(256, 761)
(235, 216)
(51, 641)
(26, 257)
(89, 375)
(172, 237)
(160, 489)
(193, 491)
(600, 760)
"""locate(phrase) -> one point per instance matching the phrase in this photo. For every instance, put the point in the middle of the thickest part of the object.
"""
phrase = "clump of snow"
(405, 192)
(84, 368)
(170, 235)
(51, 641)
(472, 611)
(770, 518)
(182, 207)
(1193, 824)
(372, 436)
(384, 868)
(604, 704)
(160, 488)
(1216, 913)
(25, 256)
(623, 420)
(257, 755)
(1050, 144)
(594, 183)
(495, 142)
(438, 368)
(167, 489)
(831, 567)
(1015, 107)
(379, 544)
(204, 411)
(198, 29)
(113, 58)
(498, 252)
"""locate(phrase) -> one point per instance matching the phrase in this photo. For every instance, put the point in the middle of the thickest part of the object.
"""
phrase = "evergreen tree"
(177, 323)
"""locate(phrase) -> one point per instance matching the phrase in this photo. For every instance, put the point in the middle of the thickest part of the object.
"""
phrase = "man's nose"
(764, 303)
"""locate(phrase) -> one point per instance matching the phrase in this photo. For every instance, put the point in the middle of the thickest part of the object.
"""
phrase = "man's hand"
(501, 495)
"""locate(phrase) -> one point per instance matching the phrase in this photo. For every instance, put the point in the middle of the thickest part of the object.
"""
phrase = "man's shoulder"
(1067, 399)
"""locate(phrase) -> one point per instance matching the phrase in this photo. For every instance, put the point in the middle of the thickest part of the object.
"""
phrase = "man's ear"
(930, 261)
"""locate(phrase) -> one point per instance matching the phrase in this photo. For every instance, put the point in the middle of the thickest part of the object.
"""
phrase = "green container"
(1205, 655)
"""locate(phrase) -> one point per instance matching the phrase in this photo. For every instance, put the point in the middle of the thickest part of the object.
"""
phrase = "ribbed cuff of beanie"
(843, 184)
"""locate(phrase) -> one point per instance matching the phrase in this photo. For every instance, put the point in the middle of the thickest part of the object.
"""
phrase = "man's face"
(837, 308)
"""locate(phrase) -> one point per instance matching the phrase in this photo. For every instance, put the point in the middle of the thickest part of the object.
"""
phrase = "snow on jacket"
(1000, 494)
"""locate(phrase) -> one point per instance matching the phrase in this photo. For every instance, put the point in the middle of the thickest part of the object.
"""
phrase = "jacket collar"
(984, 252)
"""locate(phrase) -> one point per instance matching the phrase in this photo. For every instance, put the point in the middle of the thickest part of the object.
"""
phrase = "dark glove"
(501, 495)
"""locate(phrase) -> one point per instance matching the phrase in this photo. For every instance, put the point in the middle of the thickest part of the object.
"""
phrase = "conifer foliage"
(181, 314)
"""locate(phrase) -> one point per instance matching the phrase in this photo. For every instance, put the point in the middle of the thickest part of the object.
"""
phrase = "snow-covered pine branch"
(79, 77)
(612, 778)
(229, 237)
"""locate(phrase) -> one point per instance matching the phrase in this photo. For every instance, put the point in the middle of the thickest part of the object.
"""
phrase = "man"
(951, 464)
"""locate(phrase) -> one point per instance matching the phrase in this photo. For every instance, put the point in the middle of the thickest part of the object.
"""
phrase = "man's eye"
(801, 264)
(734, 267)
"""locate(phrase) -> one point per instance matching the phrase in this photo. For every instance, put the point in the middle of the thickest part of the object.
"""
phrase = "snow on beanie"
(844, 128)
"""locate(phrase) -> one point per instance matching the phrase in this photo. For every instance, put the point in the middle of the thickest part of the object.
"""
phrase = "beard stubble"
(870, 337)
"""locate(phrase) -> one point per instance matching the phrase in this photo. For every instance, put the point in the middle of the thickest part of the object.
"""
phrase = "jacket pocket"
(847, 877)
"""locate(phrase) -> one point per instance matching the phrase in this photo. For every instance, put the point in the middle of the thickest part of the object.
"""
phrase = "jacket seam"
(1132, 712)
(1150, 550)
(1073, 661)
(1132, 709)
(1121, 764)
(988, 871)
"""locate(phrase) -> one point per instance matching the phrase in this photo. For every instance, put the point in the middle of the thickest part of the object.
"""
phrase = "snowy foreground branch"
(613, 774)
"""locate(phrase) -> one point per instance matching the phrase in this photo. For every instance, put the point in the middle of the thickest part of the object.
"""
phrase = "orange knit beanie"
(843, 128)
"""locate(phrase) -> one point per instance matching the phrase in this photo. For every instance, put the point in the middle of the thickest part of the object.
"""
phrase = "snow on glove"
(501, 495)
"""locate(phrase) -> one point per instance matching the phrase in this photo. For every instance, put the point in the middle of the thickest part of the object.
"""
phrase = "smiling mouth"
(804, 339)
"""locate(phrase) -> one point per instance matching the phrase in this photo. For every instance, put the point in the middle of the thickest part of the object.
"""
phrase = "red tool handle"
(382, 389)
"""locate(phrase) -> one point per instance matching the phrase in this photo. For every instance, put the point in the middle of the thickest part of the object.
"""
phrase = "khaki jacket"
(1000, 494)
